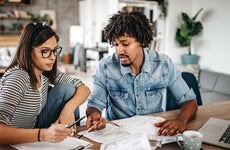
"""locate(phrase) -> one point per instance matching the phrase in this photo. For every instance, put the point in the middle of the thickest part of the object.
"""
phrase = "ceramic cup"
(192, 140)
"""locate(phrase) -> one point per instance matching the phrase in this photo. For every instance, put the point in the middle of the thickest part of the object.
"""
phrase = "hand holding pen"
(95, 122)
(72, 124)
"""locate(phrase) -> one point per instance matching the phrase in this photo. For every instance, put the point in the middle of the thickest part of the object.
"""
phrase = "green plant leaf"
(197, 28)
(183, 41)
(184, 31)
(189, 28)
(187, 20)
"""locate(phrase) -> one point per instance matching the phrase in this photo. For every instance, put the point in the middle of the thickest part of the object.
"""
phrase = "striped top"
(19, 102)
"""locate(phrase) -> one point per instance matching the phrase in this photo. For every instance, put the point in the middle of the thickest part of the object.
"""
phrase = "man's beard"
(127, 65)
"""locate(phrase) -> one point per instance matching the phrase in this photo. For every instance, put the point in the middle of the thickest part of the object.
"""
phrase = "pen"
(93, 126)
(69, 126)
(80, 136)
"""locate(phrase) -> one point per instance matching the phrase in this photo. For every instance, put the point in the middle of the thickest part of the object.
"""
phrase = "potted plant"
(188, 29)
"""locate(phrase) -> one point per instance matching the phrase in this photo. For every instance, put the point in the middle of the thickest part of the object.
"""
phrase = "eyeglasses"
(46, 52)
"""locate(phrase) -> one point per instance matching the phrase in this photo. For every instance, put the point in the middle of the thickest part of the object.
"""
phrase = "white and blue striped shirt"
(20, 103)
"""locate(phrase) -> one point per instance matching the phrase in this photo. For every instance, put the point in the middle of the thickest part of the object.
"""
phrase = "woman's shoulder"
(16, 73)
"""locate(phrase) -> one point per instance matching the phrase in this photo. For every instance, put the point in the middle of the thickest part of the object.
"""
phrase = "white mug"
(192, 140)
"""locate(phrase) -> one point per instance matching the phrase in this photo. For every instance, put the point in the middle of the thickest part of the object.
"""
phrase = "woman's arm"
(12, 135)
(80, 96)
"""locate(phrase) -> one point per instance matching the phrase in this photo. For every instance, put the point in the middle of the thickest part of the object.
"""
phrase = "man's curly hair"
(134, 24)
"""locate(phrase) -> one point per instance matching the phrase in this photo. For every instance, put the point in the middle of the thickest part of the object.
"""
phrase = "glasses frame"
(54, 51)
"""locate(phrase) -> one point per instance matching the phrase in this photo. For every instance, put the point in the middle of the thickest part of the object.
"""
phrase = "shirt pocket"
(119, 98)
(154, 99)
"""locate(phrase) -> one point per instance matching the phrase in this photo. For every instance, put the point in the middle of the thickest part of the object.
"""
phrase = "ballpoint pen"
(93, 126)
(70, 125)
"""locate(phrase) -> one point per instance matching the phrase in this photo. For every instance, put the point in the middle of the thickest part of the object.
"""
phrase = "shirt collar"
(145, 66)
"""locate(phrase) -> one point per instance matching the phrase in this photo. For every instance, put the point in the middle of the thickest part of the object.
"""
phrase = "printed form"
(119, 129)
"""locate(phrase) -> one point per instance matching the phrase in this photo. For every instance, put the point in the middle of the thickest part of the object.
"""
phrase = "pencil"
(69, 126)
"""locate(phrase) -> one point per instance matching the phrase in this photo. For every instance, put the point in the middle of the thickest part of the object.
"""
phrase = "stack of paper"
(122, 128)
(68, 143)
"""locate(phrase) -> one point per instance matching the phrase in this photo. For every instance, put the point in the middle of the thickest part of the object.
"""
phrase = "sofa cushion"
(223, 84)
(211, 97)
(202, 90)
(208, 79)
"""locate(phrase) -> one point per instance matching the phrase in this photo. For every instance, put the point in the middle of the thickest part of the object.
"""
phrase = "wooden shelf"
(22, 3)
(8, 35)
(2, 71)
(6, 41)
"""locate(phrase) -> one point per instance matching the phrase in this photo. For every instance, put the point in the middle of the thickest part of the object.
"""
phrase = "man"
(133, 80)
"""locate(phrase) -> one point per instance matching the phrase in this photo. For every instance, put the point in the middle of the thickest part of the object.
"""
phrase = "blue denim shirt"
(124, 95)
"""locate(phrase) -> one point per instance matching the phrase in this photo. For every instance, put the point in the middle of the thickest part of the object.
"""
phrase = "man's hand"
(95, 122)
(170, 127)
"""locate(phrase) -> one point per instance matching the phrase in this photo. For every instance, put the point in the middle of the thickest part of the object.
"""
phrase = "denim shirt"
(124, 95)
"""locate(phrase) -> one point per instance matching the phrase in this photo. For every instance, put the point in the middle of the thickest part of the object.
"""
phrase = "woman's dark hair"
(33, 35)
(135, 24)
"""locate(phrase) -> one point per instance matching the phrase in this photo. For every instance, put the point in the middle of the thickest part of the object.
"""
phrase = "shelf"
(14, 18)
(15, 33)
(12, 22)
(138, 1)
(22, 3)
(2, 70)
(6, 41)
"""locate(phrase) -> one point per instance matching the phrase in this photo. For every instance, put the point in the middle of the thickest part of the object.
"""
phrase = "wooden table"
(220, 110)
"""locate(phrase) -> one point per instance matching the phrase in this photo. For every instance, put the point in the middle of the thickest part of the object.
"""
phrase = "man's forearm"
(188, 111)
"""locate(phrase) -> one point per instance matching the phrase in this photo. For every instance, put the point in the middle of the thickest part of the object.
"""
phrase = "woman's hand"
(55, 133)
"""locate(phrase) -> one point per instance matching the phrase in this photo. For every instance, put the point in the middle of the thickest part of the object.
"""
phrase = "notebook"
(216, 132)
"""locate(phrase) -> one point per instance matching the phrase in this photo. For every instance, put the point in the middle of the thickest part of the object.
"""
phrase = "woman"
(37, 100)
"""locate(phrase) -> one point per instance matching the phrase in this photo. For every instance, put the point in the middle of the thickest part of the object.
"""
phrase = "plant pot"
(67, 58)
(189, 59)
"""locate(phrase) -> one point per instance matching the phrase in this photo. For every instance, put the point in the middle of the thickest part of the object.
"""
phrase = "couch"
(214, 86)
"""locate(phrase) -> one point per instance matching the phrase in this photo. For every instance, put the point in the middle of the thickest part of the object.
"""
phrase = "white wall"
(93, 16)
(212, 46)
(173, 20)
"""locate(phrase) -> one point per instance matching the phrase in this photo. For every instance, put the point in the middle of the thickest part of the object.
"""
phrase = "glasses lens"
(46, 52)
(57, 51)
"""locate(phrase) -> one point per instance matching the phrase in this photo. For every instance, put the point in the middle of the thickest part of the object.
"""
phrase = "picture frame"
(51, 18)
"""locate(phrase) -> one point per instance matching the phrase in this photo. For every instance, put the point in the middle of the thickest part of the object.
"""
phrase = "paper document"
(126, 127)
(133, 142)
(68, 144)
(110, 133)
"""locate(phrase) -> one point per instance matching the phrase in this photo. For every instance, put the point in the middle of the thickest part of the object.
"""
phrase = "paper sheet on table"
(134, 142)
(68, 144)
(145, 124)
(129, 126)
(108, 134)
